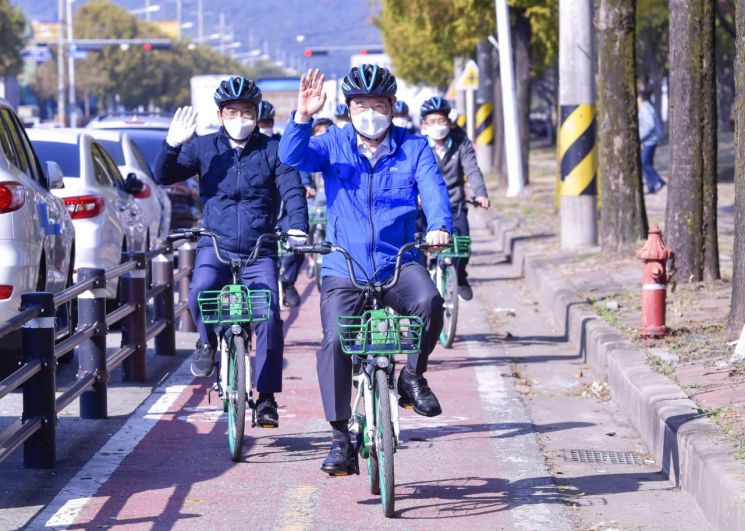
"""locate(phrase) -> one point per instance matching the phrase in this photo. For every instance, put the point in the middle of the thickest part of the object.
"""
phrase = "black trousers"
(414, 294)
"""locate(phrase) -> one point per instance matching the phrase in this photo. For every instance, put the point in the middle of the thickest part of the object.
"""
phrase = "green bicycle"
(442, 269)
(374, 335)
(235, 307)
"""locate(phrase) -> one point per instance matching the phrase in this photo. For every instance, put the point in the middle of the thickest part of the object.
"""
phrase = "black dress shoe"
(292, 297)
(465, 291)
(342, 459)
(414, 393)
(266, 412)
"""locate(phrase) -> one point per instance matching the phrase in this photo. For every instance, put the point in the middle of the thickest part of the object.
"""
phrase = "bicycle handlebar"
(194, 233)
(328, 247)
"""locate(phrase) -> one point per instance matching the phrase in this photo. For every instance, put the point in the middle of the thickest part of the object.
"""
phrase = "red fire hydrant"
(655, 255)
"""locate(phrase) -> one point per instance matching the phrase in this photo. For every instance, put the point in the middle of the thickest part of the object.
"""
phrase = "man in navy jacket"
(373, 173)
(241, 184)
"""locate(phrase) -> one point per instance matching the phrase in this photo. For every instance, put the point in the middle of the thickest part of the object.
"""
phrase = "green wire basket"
(460, 247)
(380, 332)
(235, 304)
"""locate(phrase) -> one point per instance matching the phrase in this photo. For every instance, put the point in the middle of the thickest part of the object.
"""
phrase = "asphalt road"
(517, 399)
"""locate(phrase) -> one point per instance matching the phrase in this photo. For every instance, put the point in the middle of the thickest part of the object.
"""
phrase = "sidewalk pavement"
(681, 393)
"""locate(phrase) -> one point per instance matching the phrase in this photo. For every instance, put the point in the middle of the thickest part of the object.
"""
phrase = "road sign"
(469, 78)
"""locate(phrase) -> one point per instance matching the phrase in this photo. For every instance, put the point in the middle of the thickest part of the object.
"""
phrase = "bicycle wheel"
(384, 442)
(449, 290)
(235, 390)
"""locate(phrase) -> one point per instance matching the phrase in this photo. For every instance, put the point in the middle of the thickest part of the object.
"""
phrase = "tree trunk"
(522, 33)
(709, 148)
(690, 218)
(623, 217)
(737, 311)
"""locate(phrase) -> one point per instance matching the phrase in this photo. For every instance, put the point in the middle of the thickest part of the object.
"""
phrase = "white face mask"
(401, 122)
(239, 128)
(268, 131)
(438, 131)
(371, 124)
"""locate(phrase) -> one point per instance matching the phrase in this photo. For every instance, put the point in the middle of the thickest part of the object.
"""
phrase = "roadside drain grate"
(613, 458)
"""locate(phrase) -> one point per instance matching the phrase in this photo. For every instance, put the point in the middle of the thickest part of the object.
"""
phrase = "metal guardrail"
(36, 375)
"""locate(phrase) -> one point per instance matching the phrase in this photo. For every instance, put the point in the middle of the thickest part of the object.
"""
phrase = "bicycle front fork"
(232, 333)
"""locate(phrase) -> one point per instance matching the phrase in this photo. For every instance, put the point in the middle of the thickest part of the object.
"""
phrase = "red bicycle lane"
(180, 475)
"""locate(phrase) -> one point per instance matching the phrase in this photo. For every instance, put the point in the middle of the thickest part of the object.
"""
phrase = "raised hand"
(311, 96)
(183, 126)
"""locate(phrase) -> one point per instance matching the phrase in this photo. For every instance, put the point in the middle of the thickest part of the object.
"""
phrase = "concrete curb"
(689, 447)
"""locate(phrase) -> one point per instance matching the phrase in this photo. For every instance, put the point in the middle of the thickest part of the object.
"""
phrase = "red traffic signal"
(363, 51)
(308, 53)
(148, 47)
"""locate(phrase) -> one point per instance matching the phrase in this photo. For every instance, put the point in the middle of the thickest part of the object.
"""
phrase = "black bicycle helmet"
(237, 88)
(400, 107)
(342, 111)
(369, 80)
(435, 104)
(266, 111)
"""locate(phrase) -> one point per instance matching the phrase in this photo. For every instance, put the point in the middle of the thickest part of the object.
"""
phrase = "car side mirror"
(132, 185)
(55, 177)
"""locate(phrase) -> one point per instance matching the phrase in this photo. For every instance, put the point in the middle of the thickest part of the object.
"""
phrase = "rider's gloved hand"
(438, 239)
(183, 126)
(296, 237)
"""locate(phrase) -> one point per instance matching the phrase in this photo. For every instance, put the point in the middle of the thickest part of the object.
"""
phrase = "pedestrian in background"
(650, 133)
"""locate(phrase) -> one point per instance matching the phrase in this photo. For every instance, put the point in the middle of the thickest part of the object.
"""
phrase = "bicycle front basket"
(380, 332)
(235, 304)
(460, 247)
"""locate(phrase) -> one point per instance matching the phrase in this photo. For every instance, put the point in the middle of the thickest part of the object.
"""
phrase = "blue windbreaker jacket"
(371, 211)
(240, 194)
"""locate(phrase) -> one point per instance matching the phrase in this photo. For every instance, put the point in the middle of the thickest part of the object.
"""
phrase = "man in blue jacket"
(373, 173)
(241, 183)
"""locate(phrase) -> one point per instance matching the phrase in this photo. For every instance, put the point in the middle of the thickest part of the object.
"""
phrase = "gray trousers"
(414, 294)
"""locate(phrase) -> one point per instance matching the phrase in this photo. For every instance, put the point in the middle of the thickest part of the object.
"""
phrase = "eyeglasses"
(234, 113)
(380, 107)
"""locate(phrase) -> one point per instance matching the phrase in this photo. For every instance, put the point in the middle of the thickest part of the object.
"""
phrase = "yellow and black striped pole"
(483, 119)
(485, 124)
(578, 188)
(576, 147)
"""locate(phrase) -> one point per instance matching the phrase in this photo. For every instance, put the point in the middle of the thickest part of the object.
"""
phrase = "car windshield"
(114, 149)
(66, 155)
(149, 141)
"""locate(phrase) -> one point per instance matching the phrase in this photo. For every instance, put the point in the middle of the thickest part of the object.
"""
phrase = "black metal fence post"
(187, 256)
(39, 399)
(92, 352)
(134, 326)
(163, 305)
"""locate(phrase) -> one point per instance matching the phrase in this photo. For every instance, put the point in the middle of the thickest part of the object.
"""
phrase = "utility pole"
(576, 139)
(179, 16)
(71, 68)
(485, 107)
(200, 21)
(515, 180)
(61, 107)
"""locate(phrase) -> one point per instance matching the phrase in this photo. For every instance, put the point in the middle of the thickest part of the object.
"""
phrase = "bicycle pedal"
(405, 404)
(268, 425)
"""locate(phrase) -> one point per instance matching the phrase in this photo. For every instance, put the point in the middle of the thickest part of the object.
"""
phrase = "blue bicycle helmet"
(435, 104)
(400, 107)
(237, 88)
(266, 111)
(342, 111)
(369, 80)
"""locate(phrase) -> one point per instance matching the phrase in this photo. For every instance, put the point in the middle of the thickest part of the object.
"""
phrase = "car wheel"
(113, 304)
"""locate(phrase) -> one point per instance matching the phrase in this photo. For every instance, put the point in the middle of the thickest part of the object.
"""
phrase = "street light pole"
(71, 68)
(61, 107)
(200, 20)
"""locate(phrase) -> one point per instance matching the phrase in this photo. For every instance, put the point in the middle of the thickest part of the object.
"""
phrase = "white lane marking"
(533, 498)
(72, 500)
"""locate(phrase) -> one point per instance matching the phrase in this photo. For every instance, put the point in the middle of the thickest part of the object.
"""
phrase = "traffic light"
(367, 51)
(309, 52)
(148, 47)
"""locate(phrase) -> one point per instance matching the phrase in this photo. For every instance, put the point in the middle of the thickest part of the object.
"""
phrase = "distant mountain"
(271, 25)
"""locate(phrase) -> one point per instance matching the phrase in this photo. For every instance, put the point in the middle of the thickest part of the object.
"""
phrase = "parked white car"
(153, 199)
(107, 219)
(36, 234)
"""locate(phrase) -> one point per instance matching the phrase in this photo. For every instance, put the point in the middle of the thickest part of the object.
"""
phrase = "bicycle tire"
(236, 397)
(373, 478)
(449, 290)
(386, 447)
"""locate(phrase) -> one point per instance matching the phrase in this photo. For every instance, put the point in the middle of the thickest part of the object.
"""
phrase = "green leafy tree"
(12, 38)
